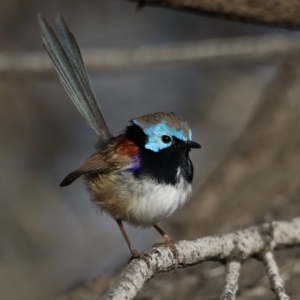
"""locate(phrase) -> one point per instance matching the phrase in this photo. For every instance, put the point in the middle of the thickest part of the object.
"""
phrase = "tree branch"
(232, 274)
(231, 247)
(276, 281)
(281, 13)
(262, 48)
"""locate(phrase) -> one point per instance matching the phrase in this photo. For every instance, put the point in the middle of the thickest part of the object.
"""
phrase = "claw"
(168, 243)
(139, 255)
(171, 245)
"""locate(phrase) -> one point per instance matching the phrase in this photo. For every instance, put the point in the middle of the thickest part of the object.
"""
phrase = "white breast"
(152, 202)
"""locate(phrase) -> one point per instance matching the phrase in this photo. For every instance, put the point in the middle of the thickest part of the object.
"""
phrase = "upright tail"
(65, 54)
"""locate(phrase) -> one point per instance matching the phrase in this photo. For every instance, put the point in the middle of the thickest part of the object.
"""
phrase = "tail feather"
(65, 54)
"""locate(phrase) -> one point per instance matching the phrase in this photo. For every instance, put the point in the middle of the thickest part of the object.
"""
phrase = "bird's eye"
(166, 139)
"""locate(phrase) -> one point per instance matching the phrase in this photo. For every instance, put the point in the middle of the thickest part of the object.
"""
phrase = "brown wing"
(116, 155)
(94, 164)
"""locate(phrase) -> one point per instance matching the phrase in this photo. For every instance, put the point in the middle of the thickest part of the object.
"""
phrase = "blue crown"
(160, 124)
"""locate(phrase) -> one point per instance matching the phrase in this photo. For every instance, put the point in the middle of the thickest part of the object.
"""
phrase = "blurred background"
(52, 238)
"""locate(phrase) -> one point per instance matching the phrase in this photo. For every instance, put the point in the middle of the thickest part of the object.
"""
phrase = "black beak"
(185, 144)
(191, 144)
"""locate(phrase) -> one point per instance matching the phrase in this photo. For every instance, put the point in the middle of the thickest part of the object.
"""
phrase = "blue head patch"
(159, 125)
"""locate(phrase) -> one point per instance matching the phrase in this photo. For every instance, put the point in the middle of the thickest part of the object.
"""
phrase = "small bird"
(140, 176)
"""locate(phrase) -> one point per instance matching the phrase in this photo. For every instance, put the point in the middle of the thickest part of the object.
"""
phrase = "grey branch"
(232, 273)
(276, 281)
(233, 247)
(282, 13)
(262, 48)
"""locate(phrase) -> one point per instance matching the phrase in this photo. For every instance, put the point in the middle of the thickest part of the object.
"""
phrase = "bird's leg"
(133, 251)
(168, 243)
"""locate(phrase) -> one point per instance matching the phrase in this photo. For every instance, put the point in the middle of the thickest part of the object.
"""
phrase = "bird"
(140, 176)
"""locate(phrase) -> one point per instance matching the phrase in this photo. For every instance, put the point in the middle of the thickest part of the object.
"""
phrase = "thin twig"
(227, 50)
(232, 273)
(234, 246)
(275, 279)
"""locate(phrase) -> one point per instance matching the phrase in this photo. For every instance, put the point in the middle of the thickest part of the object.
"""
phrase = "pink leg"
(168, 243)
(133, 251)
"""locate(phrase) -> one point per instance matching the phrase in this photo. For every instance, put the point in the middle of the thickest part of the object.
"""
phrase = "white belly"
(152, 202)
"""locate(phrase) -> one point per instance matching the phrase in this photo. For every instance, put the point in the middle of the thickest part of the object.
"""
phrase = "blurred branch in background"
(264, 48)
(282, 13)
(263, 163)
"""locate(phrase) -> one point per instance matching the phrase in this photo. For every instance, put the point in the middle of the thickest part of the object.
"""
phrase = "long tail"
(65, 54)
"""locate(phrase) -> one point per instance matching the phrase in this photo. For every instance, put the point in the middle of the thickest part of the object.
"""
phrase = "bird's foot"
(139, 255)
(171, 245)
